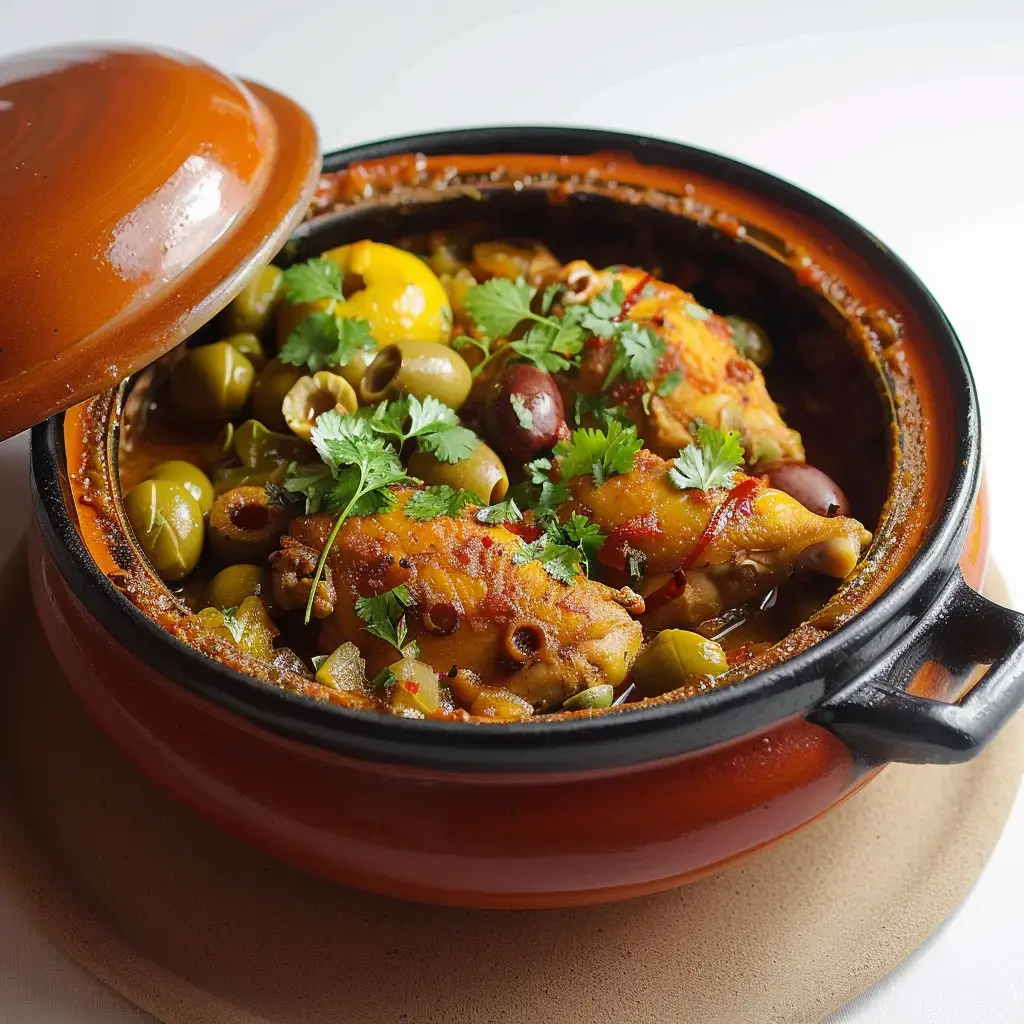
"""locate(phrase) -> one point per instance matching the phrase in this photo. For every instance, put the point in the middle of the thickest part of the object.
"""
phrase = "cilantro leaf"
(311, 281)
(452, 444)
(579, 532)
(434, 426)
(602, 454)
(544, 493)
(560, 561)
(669, 383)
(548, 297)
(234, 625)
(551, 345)
(522, 410)
(637, 351)
(322, 341)
(503, 512)
(498, 305)
(441, 500)
(384, 615)
(712, 462)
(598, 407)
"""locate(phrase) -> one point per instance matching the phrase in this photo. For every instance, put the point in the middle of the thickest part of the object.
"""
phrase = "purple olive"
(524, 414)
(815, 490)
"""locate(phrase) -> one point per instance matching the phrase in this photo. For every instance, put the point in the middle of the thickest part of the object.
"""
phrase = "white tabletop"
(905, 113)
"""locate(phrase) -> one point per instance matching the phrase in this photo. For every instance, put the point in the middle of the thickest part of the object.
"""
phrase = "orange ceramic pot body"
(609, 806)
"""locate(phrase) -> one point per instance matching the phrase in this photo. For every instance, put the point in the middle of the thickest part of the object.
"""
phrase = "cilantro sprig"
(440, 500)
(601, 454)
(312, 281)
(560, 561)
(322, 341)
(506, 511)
(713, 461)
(385, 617)
(432, 424)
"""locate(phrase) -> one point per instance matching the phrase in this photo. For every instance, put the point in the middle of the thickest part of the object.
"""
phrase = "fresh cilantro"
(547, 299)
(712, 462)
(544, 493)
(384, 678)
(669, 383)
(361, 466)
(551, 345)
(311, 281)
(461, 341)
(598, 407)
(435, 427)
(637, 351)
(602, 454)
(522, 410)
(441, 500)
(234, 625)
(384, 616)
(499, 305)
(318, 660)
(503, 512)
(579, 532)
(323, 340)
(278, 494)
(560, 561)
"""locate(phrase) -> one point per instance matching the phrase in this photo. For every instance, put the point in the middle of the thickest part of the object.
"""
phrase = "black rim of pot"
(585, 744)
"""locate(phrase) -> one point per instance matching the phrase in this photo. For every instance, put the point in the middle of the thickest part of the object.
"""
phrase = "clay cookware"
(137, 191)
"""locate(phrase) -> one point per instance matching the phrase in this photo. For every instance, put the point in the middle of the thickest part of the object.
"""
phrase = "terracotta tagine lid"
(138, 188)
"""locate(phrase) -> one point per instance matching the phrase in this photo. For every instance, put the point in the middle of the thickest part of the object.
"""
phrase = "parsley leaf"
(544, 492)
(637, 350)
(498, 305)
(441, 500)
(384, 616)
(551, 346)
(522, 410)
(433, 425)
(323, 340)
(560, 561)
(579, 532)
(602, 454)
(503, 512)
(311, 281)
(712, 462)
(669, 383)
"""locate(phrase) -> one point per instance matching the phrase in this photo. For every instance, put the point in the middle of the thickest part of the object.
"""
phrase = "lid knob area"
(138, 189)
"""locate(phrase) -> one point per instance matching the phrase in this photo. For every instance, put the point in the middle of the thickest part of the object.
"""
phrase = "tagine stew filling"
(472, 481)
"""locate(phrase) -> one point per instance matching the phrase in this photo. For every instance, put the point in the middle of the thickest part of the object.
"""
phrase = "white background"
(908, 114)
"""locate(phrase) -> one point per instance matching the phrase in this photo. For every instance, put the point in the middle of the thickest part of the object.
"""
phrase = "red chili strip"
(632, 298)
(524, 530)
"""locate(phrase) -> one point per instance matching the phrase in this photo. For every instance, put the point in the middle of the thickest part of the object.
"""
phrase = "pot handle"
(961, 630)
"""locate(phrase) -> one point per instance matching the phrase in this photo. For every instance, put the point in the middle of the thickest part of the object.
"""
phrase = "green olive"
(672, 657)
(245, 525)
(750, 340)
(259, 448)
(212, 382)
(231, 586)
(191, 477)
(251, 347)
(227, 478)
(600, 696)
(482, 473)
(275, 380)
(168, 525)
(355, 368)
(254, 307)
(417, 368)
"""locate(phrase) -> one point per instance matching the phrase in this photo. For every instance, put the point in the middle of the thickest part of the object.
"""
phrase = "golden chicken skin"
(473, 603)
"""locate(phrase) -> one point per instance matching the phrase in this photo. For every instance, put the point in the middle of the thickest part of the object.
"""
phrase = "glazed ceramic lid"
(138, 189)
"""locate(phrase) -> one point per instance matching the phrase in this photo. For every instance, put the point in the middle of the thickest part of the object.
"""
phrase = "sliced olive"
(259, 448)
(750, 340)
(600, 696)
(311, 397)
(275, 380)
(417, 368)
(191, 477)
(245, 525)
(251, 347)
(254, 307)
(672, 657)
(483, 472)
(168, 524)
(231, 586)
(212, 382)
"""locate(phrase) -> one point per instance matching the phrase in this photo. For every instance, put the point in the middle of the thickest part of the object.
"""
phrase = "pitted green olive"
(227, 478)
(191, 477)
(168, 525)
(251, 347)
(245, 525)
(254, 307)
(231, 586)
(672, 657)
(212, 382)
(417, 368)
(259, 448)
(275, 380)
(600, 696)
(482, 473)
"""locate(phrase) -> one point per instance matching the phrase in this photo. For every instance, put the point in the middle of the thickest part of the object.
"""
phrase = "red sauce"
(613, 552)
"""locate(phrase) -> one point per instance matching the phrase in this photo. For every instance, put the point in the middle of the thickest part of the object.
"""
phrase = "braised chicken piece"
(700, 378)
(730, 556)
(473, 604)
